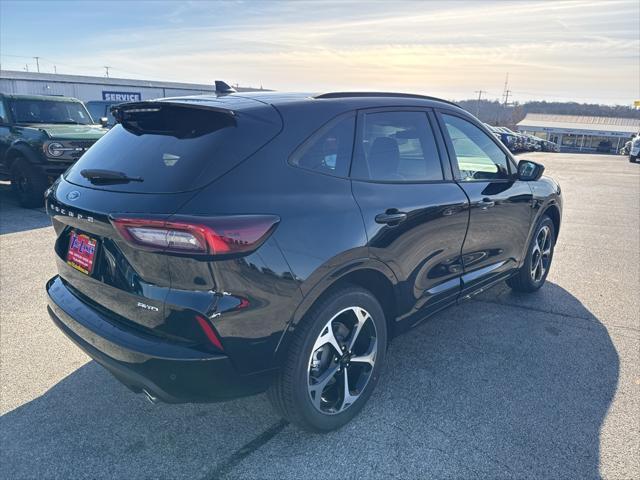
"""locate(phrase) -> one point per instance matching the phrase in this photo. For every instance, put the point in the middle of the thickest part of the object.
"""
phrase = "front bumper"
(51, 169)
(170, 372)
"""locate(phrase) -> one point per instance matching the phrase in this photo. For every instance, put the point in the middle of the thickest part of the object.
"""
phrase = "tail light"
(209, 332)
(227, 235)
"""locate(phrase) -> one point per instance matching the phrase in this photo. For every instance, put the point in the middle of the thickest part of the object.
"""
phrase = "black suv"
(212, 247)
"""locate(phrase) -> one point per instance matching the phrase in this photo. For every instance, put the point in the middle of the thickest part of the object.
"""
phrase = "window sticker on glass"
(330, 161)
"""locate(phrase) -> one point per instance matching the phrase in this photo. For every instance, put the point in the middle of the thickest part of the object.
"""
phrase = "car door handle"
(391, 217)
(487, 203)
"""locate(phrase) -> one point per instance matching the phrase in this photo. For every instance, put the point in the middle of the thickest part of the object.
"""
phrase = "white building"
(581, 134)
(97, 88)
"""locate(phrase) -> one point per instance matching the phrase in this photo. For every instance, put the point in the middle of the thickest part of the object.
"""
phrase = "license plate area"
(81, 253)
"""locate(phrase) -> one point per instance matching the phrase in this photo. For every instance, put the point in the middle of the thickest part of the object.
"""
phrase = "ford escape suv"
(211, 247)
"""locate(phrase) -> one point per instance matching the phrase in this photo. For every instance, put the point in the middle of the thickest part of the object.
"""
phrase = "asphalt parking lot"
(505, 386)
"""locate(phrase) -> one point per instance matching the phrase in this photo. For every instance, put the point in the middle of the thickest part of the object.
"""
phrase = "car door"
(500, 206)
(415, 215)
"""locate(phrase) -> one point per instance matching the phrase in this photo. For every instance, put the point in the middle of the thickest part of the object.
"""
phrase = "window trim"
(453, 159)
(320, 131)
(447, 175)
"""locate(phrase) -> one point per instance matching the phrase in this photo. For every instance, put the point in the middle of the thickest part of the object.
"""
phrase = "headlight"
(55, 149)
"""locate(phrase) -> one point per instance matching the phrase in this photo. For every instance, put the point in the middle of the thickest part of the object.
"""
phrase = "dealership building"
(579, 133)
(97, 88)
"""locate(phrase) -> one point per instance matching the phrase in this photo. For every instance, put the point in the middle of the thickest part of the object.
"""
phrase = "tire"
(309, 390)
(27, 183)
(633, 159)
(539, 255)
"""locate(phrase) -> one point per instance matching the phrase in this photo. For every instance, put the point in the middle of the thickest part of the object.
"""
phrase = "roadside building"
(113, 90)
(581, 134)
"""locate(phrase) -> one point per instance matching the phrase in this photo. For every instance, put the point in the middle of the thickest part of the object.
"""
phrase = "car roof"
(353, 100)
(40, 97)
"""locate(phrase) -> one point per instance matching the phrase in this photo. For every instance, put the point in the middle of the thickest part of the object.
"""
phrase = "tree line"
(495, 113)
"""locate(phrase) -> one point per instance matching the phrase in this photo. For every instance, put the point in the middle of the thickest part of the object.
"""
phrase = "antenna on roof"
(222, 88)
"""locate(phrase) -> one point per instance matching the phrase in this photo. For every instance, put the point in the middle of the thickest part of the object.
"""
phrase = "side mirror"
(104, 121)
(529, 171)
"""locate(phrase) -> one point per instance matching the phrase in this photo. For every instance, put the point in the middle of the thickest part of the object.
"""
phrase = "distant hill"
(494, 113)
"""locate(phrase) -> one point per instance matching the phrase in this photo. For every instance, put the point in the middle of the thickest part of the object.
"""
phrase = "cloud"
(564, 47)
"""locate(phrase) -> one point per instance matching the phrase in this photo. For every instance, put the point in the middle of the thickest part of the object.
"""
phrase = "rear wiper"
(108, 176)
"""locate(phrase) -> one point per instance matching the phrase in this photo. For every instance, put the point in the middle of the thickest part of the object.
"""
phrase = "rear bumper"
(173, 373)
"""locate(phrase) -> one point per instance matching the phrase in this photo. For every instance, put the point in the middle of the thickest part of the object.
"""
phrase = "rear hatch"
(147, 166)
(173, 146)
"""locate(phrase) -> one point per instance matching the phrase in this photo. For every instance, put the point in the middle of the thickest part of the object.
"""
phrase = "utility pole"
(55, 70)
(37, 59)
(26, 67)
(505, 97)
(479, 92)
(106, 69)
(506, 84)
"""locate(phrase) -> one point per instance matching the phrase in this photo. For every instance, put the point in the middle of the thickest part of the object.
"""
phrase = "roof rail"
(382, 94)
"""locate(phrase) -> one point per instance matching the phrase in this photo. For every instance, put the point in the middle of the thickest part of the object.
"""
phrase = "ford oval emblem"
(73, 195)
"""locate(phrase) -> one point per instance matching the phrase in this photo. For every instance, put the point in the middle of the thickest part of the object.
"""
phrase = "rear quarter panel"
(320, 229)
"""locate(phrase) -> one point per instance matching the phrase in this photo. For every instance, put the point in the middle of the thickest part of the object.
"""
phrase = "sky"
(554, 50)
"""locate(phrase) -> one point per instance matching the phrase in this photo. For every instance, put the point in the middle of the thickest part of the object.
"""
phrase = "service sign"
(121, 96)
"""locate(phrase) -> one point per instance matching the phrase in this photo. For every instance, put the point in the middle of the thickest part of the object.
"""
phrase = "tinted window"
(48, 111)
(101, 109)
(97, 110)
(175, 148)
(329, 149)
(477, 154)
(3, 113)
(397, 146)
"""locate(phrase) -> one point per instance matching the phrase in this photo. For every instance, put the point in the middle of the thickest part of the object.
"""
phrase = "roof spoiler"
(170, 118)
(151, 106)
(223, 88)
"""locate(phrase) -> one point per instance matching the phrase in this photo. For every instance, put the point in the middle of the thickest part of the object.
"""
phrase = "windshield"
(49, 111)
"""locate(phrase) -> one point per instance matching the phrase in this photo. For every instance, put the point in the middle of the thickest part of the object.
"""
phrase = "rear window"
(329, 149)
(175, 148)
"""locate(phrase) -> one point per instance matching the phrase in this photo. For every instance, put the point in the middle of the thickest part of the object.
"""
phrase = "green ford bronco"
(40, 137)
